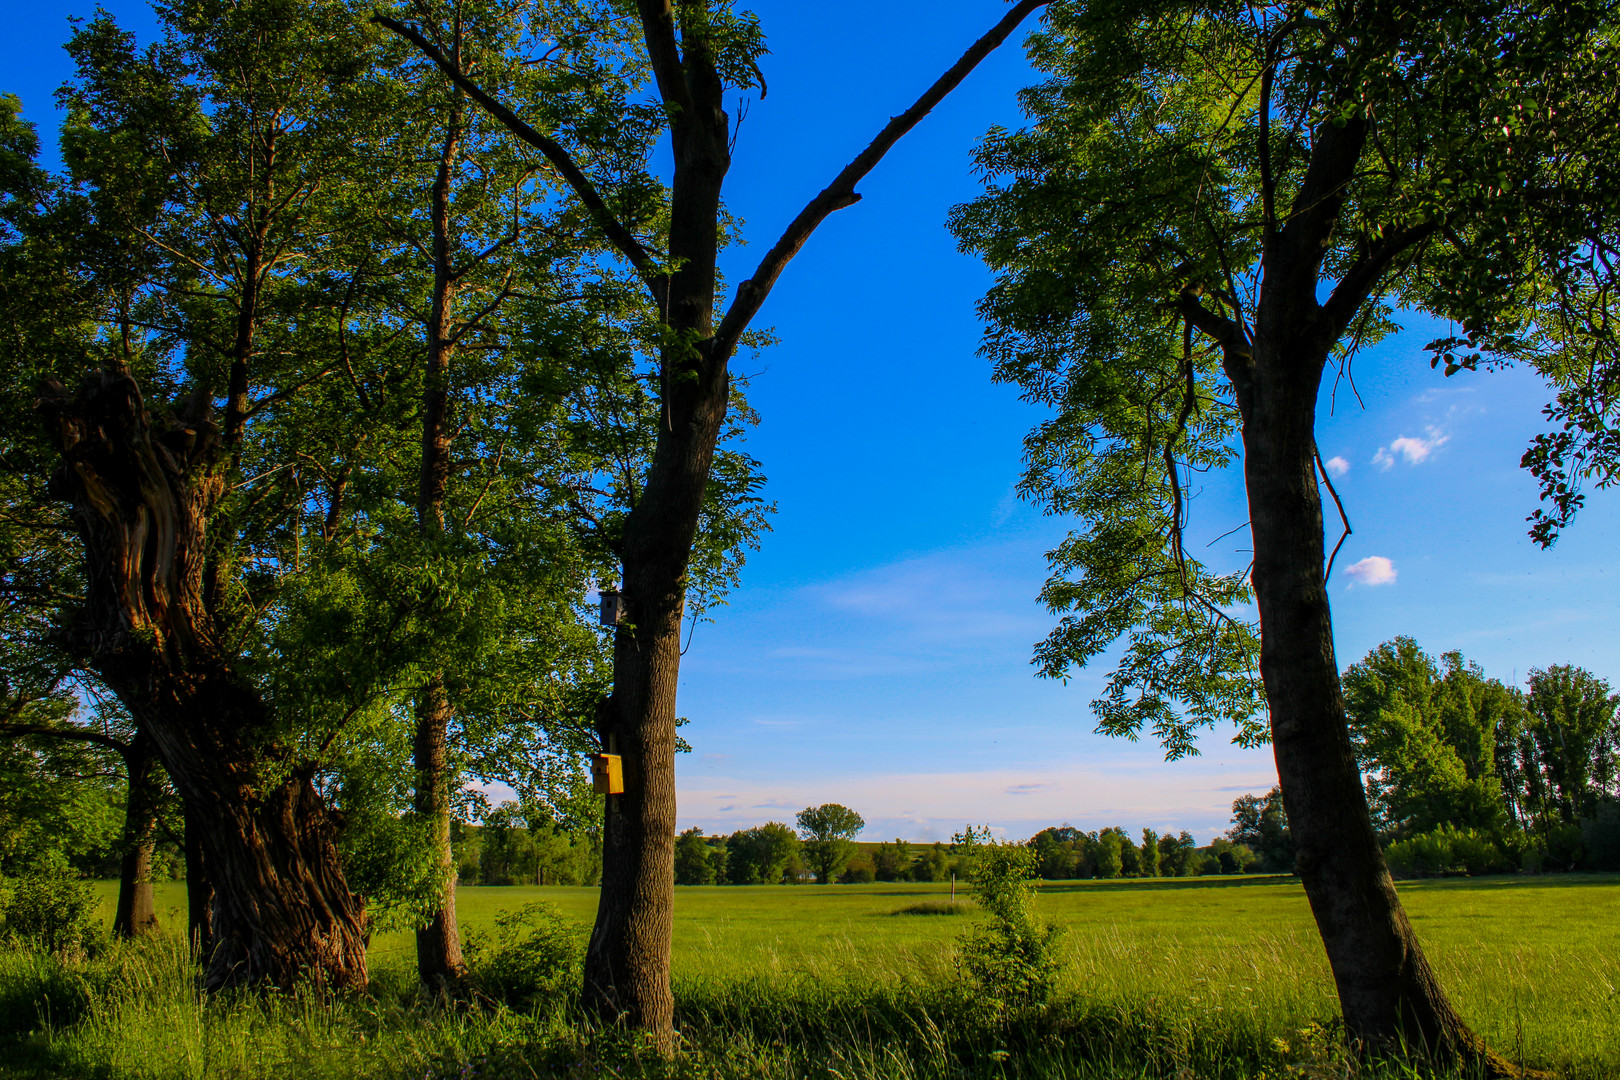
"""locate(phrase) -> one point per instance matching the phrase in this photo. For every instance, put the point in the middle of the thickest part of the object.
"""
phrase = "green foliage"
(1447, 850)
(827, 833)
(1167, 168)
(51, 911)
(693, 864)
(1427, 739)
(892, 862)
(1261, 825)
(61, 805)
(760, 856)
(532, 960)
(1573, 728)
(1011, 958)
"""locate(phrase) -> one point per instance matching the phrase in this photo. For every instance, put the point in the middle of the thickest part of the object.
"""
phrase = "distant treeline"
(1464, 775)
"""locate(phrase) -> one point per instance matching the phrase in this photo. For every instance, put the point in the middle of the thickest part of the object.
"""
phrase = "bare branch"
(617, 233)
(841, 192)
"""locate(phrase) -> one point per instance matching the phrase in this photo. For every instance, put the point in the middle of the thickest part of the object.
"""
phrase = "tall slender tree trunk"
(199, 892)
(1390, 997)
(140, 493)
(135, 913)
(627, 961)
(438, 944)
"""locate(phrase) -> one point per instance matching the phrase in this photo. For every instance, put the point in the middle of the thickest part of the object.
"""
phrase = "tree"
(1573, 727)
(827, 833)
(1109, 864)
(1150, 853)
(1261, 825)
(231, 121)
(1055, 854)
(1178, 855)
(692, 863)
(758, 856)
(1427, 740)
(1213, 207)
(892, 862)
(695, 52)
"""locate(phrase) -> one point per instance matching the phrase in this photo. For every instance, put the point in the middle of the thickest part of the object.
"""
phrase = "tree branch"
(658, 29)
(1360, 280)
(841, 192)
(1229, 335)
(72, 734)
(617, 233)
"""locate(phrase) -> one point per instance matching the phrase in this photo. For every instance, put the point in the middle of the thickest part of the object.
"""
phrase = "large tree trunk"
(627, 962)
(135, 913)
(1389, 995)
(140, 495)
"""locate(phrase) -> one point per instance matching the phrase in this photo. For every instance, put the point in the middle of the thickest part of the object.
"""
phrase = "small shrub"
(860, 873)
(1446, 850)
(534, 958)
(934, 907)
(1012, 957)
(51, 911)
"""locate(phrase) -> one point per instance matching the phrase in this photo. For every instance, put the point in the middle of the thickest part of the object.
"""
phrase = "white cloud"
(1411, 448)
(1337, 466)
(1373, 570)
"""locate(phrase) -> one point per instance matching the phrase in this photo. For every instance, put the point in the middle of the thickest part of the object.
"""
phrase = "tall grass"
(1155, 983)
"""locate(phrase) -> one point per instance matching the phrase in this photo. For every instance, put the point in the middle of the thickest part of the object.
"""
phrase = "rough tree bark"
(135, 913)
(139, 491)
(627, 961)
(439, 961)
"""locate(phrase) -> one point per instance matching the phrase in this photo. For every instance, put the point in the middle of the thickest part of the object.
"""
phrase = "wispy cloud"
(1410, 448)
(1337, 466)
(1373, 570)
(1131, 789)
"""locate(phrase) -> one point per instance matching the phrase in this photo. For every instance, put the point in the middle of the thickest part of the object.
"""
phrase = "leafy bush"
(1012, 957)
(534, 959)
(1446, 850)
(53, 912)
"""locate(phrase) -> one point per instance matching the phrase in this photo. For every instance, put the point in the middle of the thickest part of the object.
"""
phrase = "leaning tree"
(1213, 207)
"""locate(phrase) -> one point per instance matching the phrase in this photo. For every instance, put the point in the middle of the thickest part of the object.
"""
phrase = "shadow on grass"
(1168, 884)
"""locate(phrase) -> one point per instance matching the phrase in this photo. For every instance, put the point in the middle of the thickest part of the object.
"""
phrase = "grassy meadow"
(1188, 978)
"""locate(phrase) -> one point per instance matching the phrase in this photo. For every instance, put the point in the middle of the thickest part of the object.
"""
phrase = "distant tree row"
(1466, 774)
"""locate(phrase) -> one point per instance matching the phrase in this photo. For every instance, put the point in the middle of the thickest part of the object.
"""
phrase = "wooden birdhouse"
(607, 774)
(612, 602)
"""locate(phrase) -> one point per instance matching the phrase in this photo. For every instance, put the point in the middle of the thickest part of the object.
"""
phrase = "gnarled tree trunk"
(140, 493)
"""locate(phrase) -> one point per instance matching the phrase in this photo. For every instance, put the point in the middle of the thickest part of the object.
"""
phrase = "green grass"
(1159, 977)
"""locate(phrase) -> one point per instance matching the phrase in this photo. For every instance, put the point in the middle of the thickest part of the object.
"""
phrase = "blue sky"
(878, 653)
